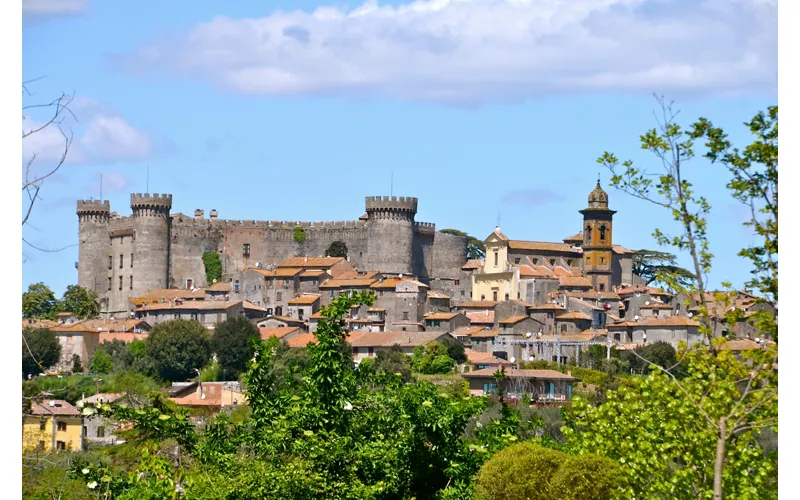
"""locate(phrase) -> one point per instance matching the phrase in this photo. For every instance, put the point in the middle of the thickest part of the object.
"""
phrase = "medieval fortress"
(122, 257)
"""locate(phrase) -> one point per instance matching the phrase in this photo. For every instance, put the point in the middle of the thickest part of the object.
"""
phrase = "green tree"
(232, 343)
(81, 302)
(77, 366)
(119, 353)
(39, 302)
(40, 351)
(393, 360)
(476, 249)
(588, 477)
(432, 359)
(650, 264)
(101, 362)
(658, 353)
(299, 235)
(178, 348)
(455, 350)
(519, 472)
(337, 249)
(213, 267)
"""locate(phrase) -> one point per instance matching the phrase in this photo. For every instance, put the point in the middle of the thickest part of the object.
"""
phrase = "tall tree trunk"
(720, 460)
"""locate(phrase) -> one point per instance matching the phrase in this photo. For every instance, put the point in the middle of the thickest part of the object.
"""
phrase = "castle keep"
(122, 257)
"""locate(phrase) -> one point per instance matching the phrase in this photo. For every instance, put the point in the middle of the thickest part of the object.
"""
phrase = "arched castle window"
(602, 233)
(588, 233)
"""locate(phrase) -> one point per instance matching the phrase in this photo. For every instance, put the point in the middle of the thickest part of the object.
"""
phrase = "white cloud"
(475, 50)
(53, 7)
(100, 136)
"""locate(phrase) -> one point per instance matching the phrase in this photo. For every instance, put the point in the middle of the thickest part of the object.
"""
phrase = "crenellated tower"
(93, 217)
(151, 241)
(597, 244)
(390, 230)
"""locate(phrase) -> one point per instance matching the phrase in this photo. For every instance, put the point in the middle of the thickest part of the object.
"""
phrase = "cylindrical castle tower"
(93, 217)
(390, 232)
(151, 241)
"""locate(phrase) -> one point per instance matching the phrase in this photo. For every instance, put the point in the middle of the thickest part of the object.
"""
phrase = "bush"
(519, 472)
(178, 348)
(210, 373)
(40, 346)
(232, 343)
(299, 235)
(587, 477)
(213, 267)
(337, 249)
(101, 362)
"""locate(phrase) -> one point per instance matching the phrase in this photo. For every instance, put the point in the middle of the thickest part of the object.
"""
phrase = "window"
(602, 287)
(435, 323)
(563, 328)
(535, 261)
(109, 284)
(588, 261)
(538, 294)
(131, 282)
(62, 426)
(236, 286)
(516, 261)
(494, 295)
(506, 296)
(483, 297)
(246, 249)
(279, 296)
(189, 284)
(42, 424)
(552, 262)
(300, 313)
(588, 235)
(120, 282)
(517, 295)
(110, 262)
(462, 293)
(496, 258)
(131, 260)
(101, 432)
(655, 312)
(285, 283)
(570, 262)
(602, 260)
(405, 315)
(85, 431)
(457, 282)
(121, 259)
(602, 233)
(61, 445)
(41, 445)
(279, 311)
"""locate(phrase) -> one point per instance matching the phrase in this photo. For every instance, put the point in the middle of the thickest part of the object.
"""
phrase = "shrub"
(519, 472)
(102, 362)
(337, 249)
(213, 267)
(587, 477)
(40, 351)
(299, 235)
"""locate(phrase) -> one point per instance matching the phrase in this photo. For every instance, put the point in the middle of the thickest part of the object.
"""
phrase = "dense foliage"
(651, 264)
(476, 249)
(337, 249)
(178, 349)
(81, 302)
(213, 266)
(232, 343)
(39, 302)
(40, 351)
(299, 235)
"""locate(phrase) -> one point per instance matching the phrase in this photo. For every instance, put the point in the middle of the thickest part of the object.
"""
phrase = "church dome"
(598, 196)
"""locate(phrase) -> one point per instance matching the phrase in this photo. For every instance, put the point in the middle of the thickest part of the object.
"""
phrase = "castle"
(122, 257)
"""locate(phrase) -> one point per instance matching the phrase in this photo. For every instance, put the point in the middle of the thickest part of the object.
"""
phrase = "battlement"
(391, 203)
(93, 207)
(424, 227)
(147, 200)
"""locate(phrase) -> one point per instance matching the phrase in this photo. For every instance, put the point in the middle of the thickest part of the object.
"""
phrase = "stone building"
(123, 257)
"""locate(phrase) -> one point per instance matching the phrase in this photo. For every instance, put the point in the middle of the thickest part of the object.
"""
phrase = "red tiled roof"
(472, 264)
(221, 286)
(304, 300)
(302, 340)
(546, 307)
(278, 332)
(54, 407)
(476, 304)
(512, 373)
(513, 320)
(656, 322)
(544, 246)
(480, 316)
(311, 262)
(574, 281)
(446, 316)
(573, 315)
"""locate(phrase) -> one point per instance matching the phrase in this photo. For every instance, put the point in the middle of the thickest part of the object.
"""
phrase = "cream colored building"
(496, 280)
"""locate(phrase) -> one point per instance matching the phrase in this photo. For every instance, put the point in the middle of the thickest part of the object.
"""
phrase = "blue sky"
(298, 110)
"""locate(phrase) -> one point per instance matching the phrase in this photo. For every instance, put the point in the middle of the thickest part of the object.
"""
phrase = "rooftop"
(512, 373)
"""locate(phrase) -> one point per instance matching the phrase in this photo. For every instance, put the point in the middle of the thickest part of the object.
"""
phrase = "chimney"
(198, 214)
(213, 214)
(569, 373)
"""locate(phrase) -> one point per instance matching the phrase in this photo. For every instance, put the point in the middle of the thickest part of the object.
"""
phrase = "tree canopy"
(40, 351)
(476, 249)
(213, 267)
(39, 302)
(81, 302)
(232, 342)
(177, 348)
(337, 249)
(650, 265)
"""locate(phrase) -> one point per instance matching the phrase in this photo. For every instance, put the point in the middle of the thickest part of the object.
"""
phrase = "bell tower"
(597, 245)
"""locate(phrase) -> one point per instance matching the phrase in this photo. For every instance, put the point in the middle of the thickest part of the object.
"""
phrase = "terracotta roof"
(249, 305)
(542, 246)
(641, 289)
(338, 283)
(484, 358)
(619, 249)
(285, 319)
(413, 281)
(655, 305)
(546, 307)
(534, 271)
(466, 331)
(62, 314)
(38, 323)
(744, 344)
(317, 315)
(348, 275)
(311, 262)
(277, 273)
(376, 309)
(167, 294)
(574, 281)
(304, 300)
(499, 234)
(101, 325)
(191, 305)
(613, 317)
(472, 264)
(213, 392)
(477, 304)
(574, 337)
(438, 295)
(101, 398)
(561, 272)
(388, 339)
(278, 332)
(126, 337)
(221, 286)
(656, 322)
(573, 315)
(446, 316)
(513, 320)
(480, 316)
(574, 237)
(512, 373)
(302, 340)
(54, 407)
(593, 295)
(312, 273)
(485, 334)
(390, 283)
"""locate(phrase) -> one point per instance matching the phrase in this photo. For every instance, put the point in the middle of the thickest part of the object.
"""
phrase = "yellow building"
(497, 280)
(52, 424)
